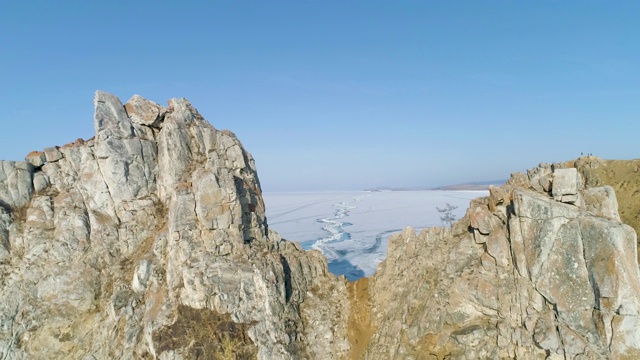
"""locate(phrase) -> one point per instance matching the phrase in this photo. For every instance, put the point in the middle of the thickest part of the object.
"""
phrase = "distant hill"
(479, 185)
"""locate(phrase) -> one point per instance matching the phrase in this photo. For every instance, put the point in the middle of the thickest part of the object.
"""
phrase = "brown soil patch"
(360, 328)
(77, 142)
(34, 152)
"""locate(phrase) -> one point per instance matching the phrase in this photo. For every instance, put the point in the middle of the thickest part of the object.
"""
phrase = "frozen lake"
(351, 228)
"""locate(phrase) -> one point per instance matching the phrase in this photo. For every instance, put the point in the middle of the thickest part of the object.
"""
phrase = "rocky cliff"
(150, 241)
(622, 175)
(542, 268)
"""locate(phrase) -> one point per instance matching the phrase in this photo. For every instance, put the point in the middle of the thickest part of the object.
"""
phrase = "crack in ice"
(335, 228)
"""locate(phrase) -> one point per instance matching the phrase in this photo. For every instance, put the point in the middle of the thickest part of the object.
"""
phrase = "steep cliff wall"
(150, 241)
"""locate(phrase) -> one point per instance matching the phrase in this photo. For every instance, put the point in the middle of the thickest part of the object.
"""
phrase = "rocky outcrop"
(622, 175)
(542, 268)
(150, 241)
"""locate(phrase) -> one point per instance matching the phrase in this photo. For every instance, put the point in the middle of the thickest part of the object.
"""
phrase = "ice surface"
(351, 228)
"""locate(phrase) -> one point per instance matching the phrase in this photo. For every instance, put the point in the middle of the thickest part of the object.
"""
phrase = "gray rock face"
(103, 241)
(566, 183)
(16, 185)
(525, 274)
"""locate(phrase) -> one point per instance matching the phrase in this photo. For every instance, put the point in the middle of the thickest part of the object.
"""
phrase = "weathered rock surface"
(622, 175)
(531, 272)
(150, 241)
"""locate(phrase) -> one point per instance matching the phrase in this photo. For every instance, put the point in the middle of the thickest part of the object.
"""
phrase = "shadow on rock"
(344, 267)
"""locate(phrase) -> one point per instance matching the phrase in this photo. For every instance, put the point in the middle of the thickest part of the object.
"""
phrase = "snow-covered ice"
(351, 228)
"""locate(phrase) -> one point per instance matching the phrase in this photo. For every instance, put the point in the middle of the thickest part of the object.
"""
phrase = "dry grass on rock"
(207, 335)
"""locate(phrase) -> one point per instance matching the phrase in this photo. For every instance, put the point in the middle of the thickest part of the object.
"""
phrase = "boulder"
(145, 112)
(52, 154)
(566, 184)
(36, 158)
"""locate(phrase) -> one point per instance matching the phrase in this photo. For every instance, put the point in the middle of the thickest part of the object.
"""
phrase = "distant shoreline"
(348, 192)
(475, 186)
(486, 188)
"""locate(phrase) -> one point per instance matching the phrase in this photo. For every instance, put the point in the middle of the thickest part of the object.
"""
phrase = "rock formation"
(622, 175)
(542, 268)
(150, 241)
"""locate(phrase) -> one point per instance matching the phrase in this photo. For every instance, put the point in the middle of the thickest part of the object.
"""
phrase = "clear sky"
(339, 95)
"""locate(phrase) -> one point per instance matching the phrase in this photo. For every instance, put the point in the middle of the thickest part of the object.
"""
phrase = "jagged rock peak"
(150, 241)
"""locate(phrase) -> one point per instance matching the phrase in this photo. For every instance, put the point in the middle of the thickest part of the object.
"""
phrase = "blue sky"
(339, 95)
